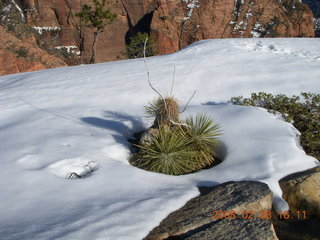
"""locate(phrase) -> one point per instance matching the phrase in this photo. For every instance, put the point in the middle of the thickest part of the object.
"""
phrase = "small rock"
(147, 136)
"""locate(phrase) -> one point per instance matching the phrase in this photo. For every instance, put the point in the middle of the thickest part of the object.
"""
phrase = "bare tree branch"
(174, 73)
(188, 102)
(180, 124)
(146, 65)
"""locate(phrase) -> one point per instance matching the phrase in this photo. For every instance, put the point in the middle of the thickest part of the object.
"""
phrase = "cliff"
(315, 8)
(17, 55)
(174, 24)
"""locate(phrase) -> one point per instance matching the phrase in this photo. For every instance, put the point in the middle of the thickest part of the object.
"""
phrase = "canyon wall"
(172, 23)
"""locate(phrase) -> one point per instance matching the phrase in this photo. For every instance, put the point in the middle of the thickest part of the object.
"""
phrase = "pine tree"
(96, 17)
(136, 46)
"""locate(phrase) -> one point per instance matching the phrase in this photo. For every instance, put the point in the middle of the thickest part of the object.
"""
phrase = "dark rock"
(298, 230)
(195, 218)
(258, 229)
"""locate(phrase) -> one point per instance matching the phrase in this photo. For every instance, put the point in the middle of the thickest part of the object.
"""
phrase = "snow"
(40, 30)
(59, 123)
(191, 5)
(19, 10)
(70, 49)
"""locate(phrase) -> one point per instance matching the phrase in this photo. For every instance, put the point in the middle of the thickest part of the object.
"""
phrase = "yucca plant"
(203, 134)
(165, 111)
(174, 147)
(167, 153)
(171, 146)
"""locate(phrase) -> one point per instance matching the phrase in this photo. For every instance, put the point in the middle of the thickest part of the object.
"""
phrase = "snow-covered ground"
(77, 119)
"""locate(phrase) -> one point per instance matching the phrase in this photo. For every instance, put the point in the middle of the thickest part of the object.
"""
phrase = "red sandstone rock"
(23, 56)
(174, 24)
(177, 25)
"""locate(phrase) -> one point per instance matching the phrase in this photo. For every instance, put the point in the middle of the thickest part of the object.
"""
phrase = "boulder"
(258, 229)
(302, 191)
(295, 229)
(194, 220)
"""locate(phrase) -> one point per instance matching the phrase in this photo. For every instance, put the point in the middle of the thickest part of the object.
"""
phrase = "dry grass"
(166, 111)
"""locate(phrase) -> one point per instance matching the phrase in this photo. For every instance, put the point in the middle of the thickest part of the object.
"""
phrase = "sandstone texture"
(315, 8)
(194, 220)
(179, 23)
(302, 191)
(174, 24)
(17, 55)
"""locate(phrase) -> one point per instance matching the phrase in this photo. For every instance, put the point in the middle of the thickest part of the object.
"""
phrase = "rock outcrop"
(302, 192)
(195, 220)
(22, 56)
(179, 23)
(315, 8)
(174, 24)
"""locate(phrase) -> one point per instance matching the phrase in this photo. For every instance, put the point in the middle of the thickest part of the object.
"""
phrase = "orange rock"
(174, 24)
(23, 56)
(177, 24)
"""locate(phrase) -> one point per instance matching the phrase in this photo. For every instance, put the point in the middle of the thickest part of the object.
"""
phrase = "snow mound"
(68, 122)
(73, 168)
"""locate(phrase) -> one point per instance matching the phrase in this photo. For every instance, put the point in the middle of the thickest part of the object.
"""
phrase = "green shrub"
(21, 52)
(167, 153)
(175, 147)
(302, 111)
(136, 46)
(203, 135)
(96, 17)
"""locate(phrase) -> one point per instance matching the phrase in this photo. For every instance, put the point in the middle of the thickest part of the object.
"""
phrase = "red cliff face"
(174, 24)
(17, 55)
(179, 23)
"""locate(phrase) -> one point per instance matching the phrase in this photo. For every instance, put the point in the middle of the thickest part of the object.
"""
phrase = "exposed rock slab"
(196, 216)
(298, 230)
(258, 229)
(18, 56)
(302, 191)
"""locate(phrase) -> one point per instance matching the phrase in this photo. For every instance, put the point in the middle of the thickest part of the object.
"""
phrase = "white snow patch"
(20, 10)
(191, 5)
(73, 120)
(71, 168)
(40, 30)
(70, 49)
(31, 161)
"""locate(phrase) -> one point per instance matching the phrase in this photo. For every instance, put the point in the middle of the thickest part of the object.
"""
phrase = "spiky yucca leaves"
(203, 133)
(179, 149)
(167, 153)
(166, 111)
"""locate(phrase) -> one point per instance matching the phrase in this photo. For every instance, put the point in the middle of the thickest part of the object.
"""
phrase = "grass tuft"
(165, 111)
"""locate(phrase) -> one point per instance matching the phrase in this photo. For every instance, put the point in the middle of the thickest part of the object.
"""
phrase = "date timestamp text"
(263, 214)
